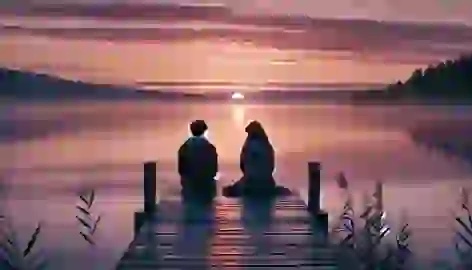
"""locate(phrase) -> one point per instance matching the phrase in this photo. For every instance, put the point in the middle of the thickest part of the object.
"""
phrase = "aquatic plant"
(12, 255)
(89, 223)
(463, 239)
(364, 241)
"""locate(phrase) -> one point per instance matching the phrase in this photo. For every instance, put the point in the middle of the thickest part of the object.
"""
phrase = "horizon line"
(256, 87)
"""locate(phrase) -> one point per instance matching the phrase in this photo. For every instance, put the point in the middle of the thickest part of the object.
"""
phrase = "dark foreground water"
(50, 152)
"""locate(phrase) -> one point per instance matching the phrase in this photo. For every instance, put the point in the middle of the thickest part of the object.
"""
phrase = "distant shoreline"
(298, 101)
(28, 87)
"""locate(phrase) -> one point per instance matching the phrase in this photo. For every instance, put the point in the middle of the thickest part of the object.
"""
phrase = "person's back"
(257, 163)
(198, 165)
(257, 160)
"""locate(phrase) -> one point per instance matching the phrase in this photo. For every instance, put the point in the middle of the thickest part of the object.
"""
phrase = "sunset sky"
(126, 47)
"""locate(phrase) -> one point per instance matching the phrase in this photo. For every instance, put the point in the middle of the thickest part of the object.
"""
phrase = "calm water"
(52, 151)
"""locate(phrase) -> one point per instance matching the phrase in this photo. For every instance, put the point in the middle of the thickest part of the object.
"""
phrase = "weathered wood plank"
(233, 234)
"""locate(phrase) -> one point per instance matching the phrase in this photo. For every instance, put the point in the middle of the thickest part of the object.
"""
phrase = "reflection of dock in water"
(230, 233)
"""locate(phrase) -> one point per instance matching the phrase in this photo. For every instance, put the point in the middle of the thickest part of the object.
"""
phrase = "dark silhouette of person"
(257, 163)
(198, 165)
(257, 160)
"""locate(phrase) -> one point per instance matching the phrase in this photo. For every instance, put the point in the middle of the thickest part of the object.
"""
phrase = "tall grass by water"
(86, 217)
(13, 256)
(362, 238)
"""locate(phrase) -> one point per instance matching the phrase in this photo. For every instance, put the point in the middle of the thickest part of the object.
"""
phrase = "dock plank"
(233, 234)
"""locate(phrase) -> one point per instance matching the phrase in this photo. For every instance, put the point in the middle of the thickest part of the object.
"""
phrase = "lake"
(50, 152)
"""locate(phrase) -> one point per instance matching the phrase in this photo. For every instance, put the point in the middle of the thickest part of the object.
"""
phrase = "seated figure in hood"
(257, 163)
(257, 160)
(198, 165)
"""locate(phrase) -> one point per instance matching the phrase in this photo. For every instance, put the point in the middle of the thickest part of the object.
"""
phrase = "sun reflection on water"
(238, 113)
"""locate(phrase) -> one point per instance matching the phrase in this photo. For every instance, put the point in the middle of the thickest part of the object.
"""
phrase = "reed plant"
(359, 235)
(463, 233)
(87, 219)
(362, 235)
(15, 257)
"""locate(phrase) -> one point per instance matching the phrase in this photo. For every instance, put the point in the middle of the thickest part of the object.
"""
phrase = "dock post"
(149, 187)
(314, 186)
(150, 179)
(320, 217)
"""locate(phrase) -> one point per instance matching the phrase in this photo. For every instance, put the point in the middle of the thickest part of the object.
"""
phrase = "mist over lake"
(50, 152)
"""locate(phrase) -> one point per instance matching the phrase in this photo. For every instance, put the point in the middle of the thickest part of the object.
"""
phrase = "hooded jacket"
(257, 162)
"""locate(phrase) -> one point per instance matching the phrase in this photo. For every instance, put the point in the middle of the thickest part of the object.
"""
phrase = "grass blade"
(84, 223)
(83, 210)
(382, 235)
(469, 216)
(466, 228)
(82, 198)
(87, 238)
(95, 226)
(92, 198)
(405, 228)
(347, 239)
(403, 236)
(348, 228)
(467, 241)
(32, 241)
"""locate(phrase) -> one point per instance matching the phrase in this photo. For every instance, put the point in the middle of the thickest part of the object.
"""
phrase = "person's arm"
(242, 157)
(182, 162)
(271, 158)
(214, 161)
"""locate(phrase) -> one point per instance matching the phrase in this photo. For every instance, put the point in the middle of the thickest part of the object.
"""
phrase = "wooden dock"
(283, 233)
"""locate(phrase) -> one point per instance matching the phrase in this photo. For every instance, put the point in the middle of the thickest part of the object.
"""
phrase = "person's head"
(198, 128)
(255, 130)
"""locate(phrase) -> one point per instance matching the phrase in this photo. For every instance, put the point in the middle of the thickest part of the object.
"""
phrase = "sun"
(237, 95)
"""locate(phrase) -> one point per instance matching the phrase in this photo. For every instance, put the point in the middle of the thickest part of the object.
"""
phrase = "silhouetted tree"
(450, 79)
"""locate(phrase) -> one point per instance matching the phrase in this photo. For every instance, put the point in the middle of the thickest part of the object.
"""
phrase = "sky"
(126, 47)
(417, 10)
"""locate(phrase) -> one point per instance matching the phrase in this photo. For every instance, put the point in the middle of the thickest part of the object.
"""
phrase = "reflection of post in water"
(257, 216)
(196, 232)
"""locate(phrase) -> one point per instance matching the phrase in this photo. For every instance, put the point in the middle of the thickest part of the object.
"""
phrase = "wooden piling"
(314, 186)
(149, 190)
(320, 217)
(150, 187)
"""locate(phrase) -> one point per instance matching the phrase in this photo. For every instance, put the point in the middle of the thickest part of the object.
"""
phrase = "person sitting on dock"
(257, 163)
(198, 165)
